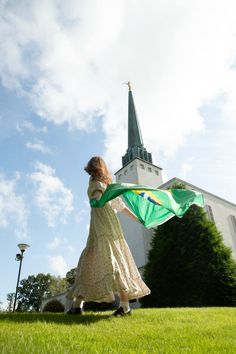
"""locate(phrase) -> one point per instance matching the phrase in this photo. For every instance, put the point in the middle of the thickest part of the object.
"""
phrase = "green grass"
(181, 330)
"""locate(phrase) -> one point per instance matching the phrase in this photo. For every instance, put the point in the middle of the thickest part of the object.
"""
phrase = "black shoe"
(120, 312)
(75, 311)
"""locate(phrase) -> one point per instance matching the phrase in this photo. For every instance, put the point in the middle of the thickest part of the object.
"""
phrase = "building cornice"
(162, 186)
(138, 158)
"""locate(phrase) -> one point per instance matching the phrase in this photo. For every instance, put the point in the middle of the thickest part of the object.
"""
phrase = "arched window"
(209, 212)
(233, 222)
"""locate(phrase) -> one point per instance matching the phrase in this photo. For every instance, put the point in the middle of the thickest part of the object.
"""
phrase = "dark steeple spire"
(134, 132)
(135, 141)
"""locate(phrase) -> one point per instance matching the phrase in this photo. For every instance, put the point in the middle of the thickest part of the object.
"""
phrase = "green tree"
(32, 290)
(10, 301)
(70, 276)
(57, 285)
(189, 265)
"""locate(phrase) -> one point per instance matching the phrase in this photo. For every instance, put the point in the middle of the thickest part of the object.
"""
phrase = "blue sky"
(62, 100)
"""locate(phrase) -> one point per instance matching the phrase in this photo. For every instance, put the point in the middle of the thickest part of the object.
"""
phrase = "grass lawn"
(181, 330)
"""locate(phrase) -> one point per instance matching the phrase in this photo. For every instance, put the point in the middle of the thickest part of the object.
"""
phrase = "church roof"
(176, 179)
(135, 141)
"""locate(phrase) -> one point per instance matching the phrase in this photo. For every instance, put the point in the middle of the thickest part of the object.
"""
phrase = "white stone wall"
(140, 172)
(138, 239)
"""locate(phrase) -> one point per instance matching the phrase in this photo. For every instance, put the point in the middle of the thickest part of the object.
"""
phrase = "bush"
(54, 306)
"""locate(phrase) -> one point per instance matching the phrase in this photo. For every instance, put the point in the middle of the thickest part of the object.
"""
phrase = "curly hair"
(98, 170)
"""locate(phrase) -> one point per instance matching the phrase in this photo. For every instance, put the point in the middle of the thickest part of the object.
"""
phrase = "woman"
(106, 266)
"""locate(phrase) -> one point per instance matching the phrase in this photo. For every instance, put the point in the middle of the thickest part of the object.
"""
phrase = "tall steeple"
(135, 141)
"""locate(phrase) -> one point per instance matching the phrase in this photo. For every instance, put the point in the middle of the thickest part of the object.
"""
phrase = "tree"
(189, 265)
(10, 301)
(70, 276)
(32, 290)
(57, 285)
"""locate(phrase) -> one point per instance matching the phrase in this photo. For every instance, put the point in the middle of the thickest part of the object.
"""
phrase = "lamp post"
(19, 257)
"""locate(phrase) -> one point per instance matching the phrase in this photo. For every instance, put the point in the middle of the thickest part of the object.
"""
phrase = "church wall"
(133, 233)
(221, 212)
(140, 172)
(148, 174)
(138, 238)
(127, 174)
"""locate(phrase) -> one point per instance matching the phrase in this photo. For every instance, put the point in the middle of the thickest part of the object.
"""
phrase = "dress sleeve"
(95, 186)
(117, 204)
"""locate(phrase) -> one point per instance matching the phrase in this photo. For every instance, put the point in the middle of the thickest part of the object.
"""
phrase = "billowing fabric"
(151, 206)
(106, 265)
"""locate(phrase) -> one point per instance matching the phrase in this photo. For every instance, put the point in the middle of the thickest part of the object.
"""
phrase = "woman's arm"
(97, 194)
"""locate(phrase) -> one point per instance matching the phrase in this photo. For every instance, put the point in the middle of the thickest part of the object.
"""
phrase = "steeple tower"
(135, 141)
(137, 166)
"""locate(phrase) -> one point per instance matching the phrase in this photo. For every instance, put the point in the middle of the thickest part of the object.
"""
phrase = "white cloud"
(27, 125)
(70, 249)
(185, 169)
(53, 199)
(79, 217)
(58, 265)
(70, 60)
(54, 244)
(63, 242)
(4, 306)
(39, 146)
(13, 209)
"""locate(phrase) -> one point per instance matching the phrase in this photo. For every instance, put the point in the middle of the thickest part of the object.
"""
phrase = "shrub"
(54, 306)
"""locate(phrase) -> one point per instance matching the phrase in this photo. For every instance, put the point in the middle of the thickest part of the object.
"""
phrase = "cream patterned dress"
(106, 265)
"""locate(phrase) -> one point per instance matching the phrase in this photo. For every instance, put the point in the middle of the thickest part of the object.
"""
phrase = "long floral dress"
(106, 265)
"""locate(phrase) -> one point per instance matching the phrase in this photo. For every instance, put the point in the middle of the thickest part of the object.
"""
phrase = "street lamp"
(19, 257)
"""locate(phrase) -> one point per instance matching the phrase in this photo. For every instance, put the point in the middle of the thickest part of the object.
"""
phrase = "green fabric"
(151, 206)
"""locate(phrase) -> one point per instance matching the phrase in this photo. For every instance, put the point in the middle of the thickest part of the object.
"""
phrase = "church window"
(156, 172)
(131, 167)
(149, 169)
(119, 177)
(209, 212)
(125, 172)
(142, 166)
(233, 222)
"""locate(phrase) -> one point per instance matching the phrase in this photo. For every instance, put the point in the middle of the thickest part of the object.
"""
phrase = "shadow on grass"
(59, 318)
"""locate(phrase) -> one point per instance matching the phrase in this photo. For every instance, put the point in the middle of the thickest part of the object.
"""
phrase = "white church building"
(137, 168)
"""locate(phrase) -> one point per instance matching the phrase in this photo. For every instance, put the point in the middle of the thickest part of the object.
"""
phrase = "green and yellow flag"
(152, 206)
